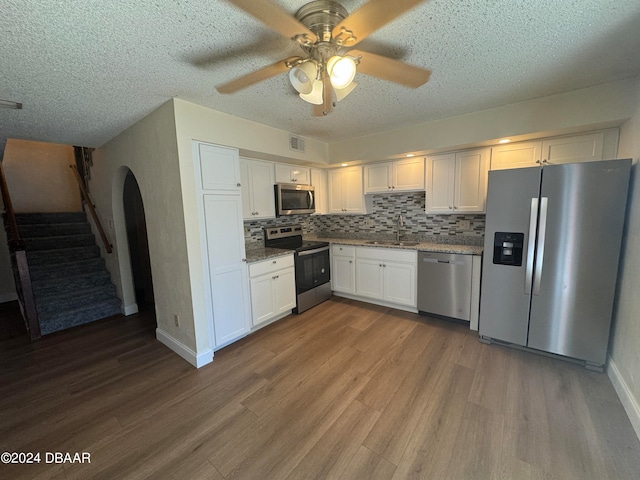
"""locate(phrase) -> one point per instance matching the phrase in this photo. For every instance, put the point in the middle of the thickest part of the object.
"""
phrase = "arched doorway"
(136, 228)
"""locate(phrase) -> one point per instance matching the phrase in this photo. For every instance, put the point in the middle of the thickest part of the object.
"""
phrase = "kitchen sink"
(399, 244)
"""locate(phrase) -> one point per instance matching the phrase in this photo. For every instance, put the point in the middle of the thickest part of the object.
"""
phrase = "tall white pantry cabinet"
(218, 188)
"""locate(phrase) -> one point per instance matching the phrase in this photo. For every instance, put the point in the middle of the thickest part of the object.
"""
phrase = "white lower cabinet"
(273, 289)
(387, 275)
(343, 269)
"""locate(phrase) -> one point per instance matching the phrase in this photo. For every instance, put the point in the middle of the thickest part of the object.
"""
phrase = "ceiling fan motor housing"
(321, 16)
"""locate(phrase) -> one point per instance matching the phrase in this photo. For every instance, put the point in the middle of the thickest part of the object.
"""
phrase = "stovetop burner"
(290, 237)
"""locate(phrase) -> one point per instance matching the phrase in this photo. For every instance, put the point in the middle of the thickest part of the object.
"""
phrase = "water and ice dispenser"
(507, 248)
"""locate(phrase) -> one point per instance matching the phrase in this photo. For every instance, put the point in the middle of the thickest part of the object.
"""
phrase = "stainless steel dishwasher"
(444, 284)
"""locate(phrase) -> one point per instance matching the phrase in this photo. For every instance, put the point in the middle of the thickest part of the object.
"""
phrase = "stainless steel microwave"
(292, 199)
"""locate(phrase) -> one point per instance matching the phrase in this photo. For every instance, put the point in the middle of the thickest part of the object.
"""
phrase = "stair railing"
(21, 274)
(92, 210)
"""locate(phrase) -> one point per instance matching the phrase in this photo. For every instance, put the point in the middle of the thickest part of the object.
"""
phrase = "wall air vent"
(296, 143)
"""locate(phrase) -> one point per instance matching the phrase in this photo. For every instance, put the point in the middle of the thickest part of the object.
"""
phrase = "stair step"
(62, 217)
(59, 242)
(75, 299)
(36, 230)
(47, 288)
(62, 255)
(68, 269)
(64, 319)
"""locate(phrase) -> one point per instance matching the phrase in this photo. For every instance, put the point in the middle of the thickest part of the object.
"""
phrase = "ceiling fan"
(326, 31)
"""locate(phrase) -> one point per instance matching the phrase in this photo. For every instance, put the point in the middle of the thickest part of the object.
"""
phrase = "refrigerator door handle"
(531, 244)
(542, 232)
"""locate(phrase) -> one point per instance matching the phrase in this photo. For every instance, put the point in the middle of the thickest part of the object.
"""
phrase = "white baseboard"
(197, 360)
(8, 297)
(130, 309)
(629, 402)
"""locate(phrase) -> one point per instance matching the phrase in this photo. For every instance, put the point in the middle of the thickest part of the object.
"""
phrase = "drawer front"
(270, 265)
(343, 250)
(389, 254)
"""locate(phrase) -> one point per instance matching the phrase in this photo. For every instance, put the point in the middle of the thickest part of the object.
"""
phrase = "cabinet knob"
(350, 261)
(275, 261)
(257, 213)
(455, 208)
(545, 161)
(537, 161)
(238, 185)
(380, 265)
(244, 259)
(389, 187)
(450, 207)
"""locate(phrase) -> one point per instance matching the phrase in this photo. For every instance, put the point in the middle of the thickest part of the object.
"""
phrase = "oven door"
(312, 269)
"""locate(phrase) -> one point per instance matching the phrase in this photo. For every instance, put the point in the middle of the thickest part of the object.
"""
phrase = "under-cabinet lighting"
(344, 164)
(410, 155)
(504, 140)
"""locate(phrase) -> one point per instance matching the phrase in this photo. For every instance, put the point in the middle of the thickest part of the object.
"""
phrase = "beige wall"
(580, 110)
(149, 150)
(39, 177)
(625, 352)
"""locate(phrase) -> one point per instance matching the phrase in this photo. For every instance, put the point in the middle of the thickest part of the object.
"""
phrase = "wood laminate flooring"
(344, 391)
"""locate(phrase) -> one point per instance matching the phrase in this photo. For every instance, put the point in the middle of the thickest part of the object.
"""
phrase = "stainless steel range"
(312, 264)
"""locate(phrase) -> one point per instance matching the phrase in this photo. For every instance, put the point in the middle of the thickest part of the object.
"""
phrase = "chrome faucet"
(400, 223)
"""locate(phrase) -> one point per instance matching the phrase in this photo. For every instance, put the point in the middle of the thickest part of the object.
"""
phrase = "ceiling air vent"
(296, 143)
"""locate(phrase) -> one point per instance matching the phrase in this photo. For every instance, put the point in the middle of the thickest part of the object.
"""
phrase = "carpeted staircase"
(71, 285)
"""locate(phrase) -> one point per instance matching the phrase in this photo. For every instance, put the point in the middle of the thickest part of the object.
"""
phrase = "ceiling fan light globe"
(302, 77)
(341, 70)
(315, 96)
(343, 92)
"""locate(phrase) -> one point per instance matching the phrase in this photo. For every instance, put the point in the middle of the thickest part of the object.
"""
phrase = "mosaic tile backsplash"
(381, 222)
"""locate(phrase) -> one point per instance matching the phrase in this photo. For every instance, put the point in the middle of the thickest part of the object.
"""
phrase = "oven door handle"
(311, 252)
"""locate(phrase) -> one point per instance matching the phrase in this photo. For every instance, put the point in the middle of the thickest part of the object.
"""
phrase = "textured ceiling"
(87, 69)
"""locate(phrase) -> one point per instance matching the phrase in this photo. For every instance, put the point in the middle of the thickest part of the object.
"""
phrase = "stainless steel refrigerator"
(551, 253)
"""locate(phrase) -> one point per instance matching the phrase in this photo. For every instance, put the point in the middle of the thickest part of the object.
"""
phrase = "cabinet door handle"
(275, 277)
(244, 259)
(238, 184)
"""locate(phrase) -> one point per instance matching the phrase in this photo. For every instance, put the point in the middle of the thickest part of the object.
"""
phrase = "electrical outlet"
(464, 224)
(176, 320)
(368, 222)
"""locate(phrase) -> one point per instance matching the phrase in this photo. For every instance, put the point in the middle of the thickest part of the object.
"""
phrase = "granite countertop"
(426, 246)
(256, 252)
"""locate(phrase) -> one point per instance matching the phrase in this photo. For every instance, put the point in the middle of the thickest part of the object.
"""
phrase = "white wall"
(624, 365)
(590, 108)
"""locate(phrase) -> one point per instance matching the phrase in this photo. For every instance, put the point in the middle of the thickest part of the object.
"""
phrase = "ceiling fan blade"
(274, 17)
(390, 69)
(255, 76)
(370, 17)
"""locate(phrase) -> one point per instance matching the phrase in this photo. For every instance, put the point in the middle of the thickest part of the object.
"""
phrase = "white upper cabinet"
(292, 174)
(345, 191)
(219, 168)
(319, 182)
(456, 182)
(257, 179)
(399, 176)
(377, 177)
(408, 174)
(553, 151)
(516, 155)
(579, 148)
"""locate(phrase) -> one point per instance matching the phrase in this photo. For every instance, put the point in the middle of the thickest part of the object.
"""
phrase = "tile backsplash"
(382, 222)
